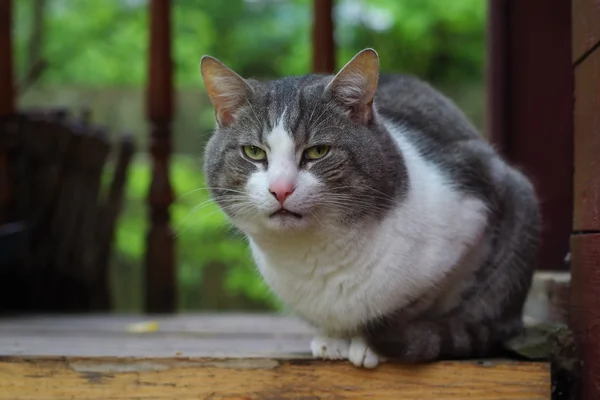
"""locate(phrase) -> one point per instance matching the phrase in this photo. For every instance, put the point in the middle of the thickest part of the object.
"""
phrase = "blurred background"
(93, 55)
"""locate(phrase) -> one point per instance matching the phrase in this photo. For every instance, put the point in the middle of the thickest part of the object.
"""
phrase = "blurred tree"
(104, 43)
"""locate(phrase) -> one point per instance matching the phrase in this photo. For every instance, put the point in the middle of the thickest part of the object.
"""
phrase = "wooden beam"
(233, 356)
(584, 316)
(586, 213)
(530, 107)
(103, 378)
(586, 29)
(160, 251)
(323, 42)
(585, 241)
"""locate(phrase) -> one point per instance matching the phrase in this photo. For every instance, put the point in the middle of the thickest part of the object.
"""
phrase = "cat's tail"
(446, 339)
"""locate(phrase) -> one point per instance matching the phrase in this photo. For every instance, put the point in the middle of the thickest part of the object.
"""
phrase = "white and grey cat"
(374, 210)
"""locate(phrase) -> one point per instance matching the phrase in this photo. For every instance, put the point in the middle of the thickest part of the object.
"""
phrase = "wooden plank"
(585, 310)
(586, 214)
(216, 356)
(193, 324)
(84, 378)
(323, 42)
(160, 345)
(586, 27)
(196, 335)
(212, 335)
(534, 80)
(161, 295)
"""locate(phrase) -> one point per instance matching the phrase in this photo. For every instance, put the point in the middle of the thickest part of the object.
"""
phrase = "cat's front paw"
(361, 355)
(329, 348)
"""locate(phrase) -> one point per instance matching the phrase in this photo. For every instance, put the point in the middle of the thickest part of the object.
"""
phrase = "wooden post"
(7, 102)
(585, 241)
(160, 253)
(323, 40)
(530, 107)
(496, 75)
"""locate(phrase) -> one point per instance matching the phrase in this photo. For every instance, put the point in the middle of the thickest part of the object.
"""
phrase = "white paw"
(329, 348)
(361, 355)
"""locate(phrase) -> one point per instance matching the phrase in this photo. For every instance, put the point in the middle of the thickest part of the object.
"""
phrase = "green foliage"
(100, 49)
(105, 43)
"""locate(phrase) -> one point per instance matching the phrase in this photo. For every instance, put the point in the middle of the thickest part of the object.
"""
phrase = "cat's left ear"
(227, 90)
(355, 85)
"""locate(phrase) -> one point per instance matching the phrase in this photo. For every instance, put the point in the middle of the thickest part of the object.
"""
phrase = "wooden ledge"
(237, 356)
(25, 378)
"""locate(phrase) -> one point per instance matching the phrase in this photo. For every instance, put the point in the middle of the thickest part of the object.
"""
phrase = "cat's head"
(299, 153)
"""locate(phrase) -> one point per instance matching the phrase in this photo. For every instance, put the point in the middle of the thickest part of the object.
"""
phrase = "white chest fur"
(339, 279)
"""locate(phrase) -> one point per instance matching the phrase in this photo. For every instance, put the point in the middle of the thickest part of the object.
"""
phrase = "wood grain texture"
(586, 213)
(586, 27)
(585, 310)
(111, 378)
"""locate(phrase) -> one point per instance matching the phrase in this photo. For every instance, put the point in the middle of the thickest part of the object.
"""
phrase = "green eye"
(254, 153)
(316, 152)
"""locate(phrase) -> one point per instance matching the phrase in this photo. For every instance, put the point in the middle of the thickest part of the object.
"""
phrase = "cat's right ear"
(355, 85)
(227, 90)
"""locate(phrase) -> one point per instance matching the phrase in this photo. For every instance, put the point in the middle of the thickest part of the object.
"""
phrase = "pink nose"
(281, 189)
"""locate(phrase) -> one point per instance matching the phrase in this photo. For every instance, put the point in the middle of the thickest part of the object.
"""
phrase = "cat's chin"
(286, 222)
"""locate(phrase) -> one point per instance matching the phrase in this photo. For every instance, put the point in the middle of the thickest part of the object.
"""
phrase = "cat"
(374, 210)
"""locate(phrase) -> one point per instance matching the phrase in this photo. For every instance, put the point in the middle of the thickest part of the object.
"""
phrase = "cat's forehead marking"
(280, 141)
(281, 151)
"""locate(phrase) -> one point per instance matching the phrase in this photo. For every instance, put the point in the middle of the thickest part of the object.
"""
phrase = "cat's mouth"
(282, 212)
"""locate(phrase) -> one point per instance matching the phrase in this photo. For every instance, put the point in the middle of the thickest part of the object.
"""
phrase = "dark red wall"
(530, 106)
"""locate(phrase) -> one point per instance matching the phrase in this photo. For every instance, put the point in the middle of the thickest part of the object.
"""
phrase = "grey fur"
(365, 164)
(366, 157)
(491, 307)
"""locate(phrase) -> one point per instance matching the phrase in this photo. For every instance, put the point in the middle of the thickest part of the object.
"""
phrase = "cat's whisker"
(312, 113)
(181, 232)
(205, 204)
(325, 109)
(195, 209)
(323, 122)
(256, 119)
(365, 187)
(206, 189)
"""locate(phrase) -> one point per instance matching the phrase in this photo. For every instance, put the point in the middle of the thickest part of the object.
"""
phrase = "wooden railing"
(161, 273)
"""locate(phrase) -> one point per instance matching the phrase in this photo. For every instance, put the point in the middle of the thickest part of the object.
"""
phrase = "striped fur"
(412, 238)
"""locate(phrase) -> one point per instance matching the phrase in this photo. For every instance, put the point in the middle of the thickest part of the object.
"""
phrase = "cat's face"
(297, 153)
